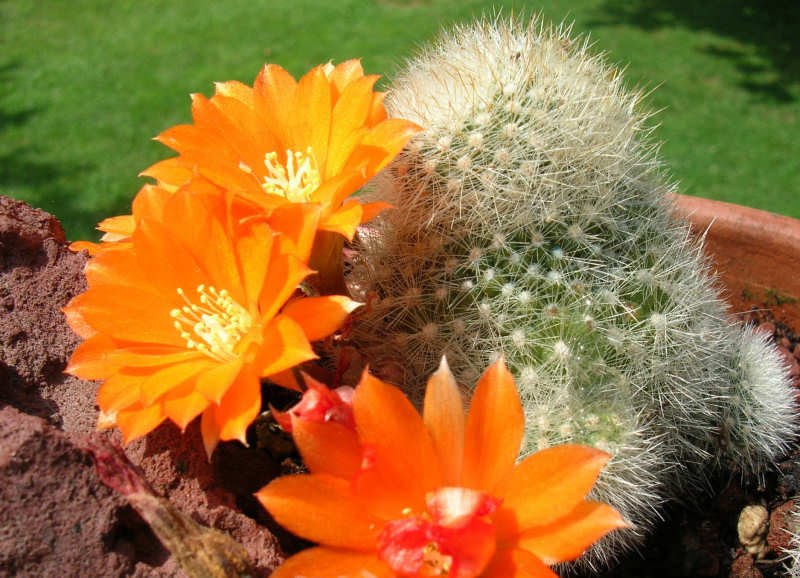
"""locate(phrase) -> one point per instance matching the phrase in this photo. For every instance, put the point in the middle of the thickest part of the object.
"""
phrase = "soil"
(59, 519)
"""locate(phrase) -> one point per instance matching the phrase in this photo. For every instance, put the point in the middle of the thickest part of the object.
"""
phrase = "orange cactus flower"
(437, 495)
(199, 303)
(313, 141)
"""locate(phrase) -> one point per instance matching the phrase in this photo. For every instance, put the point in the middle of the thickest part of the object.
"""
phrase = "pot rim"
(756, 254)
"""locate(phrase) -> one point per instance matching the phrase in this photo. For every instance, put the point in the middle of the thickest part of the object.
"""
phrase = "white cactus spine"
(533, 220)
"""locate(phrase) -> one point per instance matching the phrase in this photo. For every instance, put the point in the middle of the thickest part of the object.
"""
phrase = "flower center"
(434, 563)
(215, 326)
(295, 181)
(454, 537)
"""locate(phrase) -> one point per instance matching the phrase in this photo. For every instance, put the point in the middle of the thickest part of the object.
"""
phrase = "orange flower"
(437, 495)
(317, 140)
(198, 304)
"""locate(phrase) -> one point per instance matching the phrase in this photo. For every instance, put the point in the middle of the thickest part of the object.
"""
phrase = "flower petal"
(298, 223)
(313, 126)
(494, 429)
(517, 563)
(183, 404)
(119, 227)
(209, 430)
(274, 91)
(443, 414)
(321, 508)
(129, 314)
(163, 260)
(567, 538)
(214, 383)
(344, 221)
(549, 484)
(239, 407)
(327, 447)
(285, 274)
(381, 144)
(320, 316)
(403, 449)
(171, 172)
(332, 563)
(139, 422)
(162, 380)
(89, 360)
(371, 210)
(345, 73)
(349, 114)
(284, 345)
(119, 392)
(254, 251)
(235, 89)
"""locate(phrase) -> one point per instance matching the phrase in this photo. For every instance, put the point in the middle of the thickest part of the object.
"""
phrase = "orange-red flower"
(186, 314)
(317, 140)
(404, 495)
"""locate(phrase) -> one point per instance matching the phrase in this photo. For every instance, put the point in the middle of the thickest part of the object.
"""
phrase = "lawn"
(85, 84)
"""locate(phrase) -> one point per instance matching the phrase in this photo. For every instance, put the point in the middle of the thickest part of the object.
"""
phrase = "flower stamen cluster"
(219, 325)
(295, 181)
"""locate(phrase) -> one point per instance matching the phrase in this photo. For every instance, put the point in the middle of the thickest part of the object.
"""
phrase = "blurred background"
(86, 84)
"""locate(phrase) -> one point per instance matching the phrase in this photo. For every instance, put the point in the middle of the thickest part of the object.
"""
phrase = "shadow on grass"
(764, 40)
(24, 166)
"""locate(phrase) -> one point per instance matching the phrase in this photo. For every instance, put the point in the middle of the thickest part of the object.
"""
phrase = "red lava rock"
(58, 517)
(778, 536)
(767, 328)
(744, 567)
(38, 276)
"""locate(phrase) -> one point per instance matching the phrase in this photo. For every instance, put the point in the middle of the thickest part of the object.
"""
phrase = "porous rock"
(38, 276)
(58, 518)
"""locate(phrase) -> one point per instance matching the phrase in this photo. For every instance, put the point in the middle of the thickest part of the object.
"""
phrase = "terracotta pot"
(756, 253)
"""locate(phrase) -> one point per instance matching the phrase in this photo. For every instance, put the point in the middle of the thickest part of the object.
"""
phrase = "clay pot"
(756, 253)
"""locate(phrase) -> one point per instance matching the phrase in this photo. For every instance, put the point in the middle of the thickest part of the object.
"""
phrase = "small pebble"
(752, 530)
(779, 535)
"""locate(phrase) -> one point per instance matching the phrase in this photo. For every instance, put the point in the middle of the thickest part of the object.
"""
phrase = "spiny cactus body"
(532, 220)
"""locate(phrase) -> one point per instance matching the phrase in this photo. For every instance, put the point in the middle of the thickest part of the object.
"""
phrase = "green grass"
(85, 84)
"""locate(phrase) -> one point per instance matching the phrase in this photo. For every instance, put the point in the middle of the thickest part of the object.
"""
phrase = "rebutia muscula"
(533, 220)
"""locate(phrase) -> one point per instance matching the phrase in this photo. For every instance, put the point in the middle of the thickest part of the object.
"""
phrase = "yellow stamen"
(215, 326)
(434, 562)
(295, 181)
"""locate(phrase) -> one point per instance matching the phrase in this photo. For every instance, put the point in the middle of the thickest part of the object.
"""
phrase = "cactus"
(533, 220)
